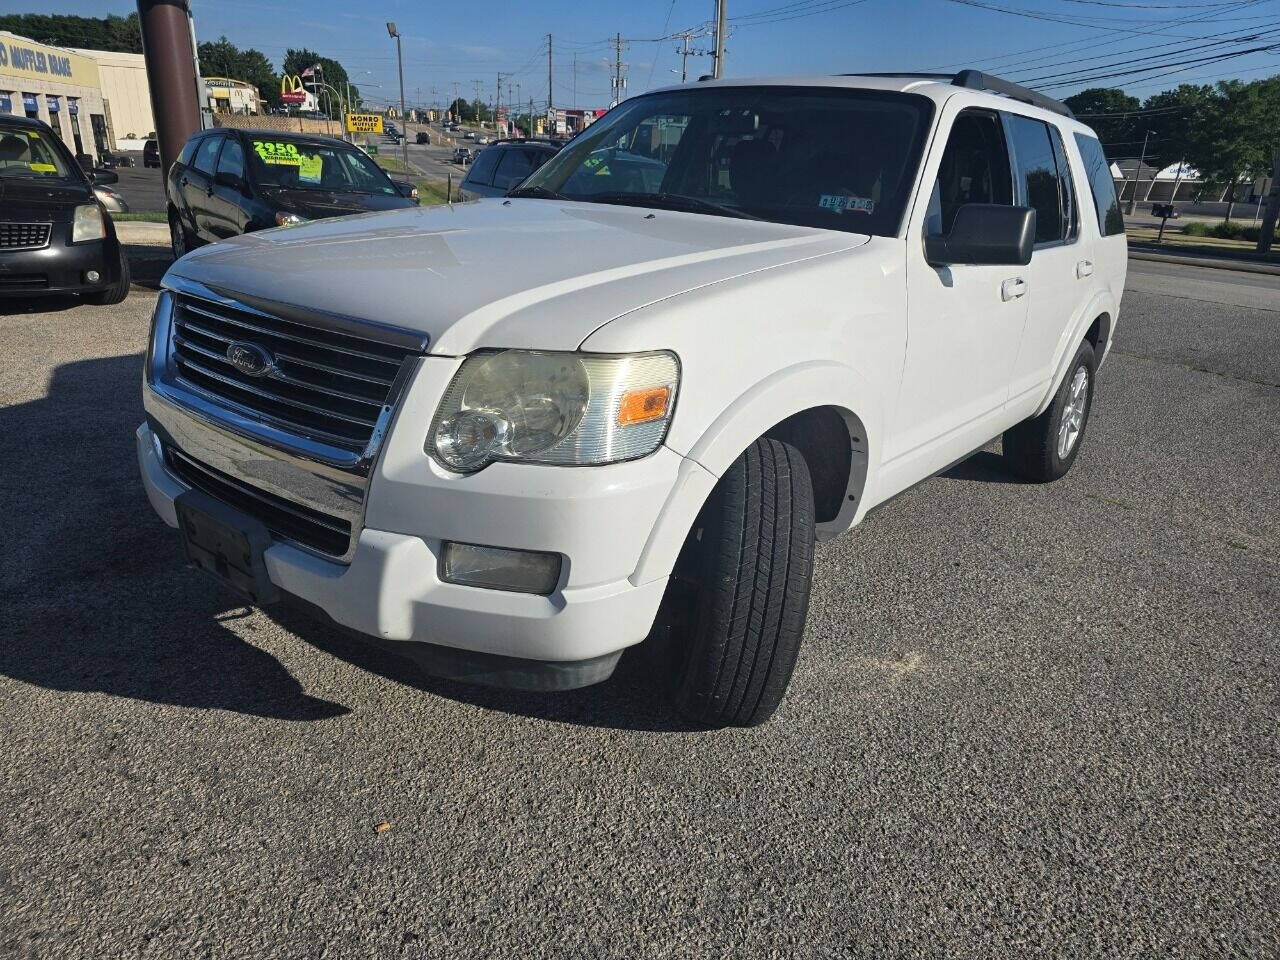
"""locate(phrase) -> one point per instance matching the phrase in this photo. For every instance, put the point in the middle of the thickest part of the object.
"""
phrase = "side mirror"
(406, 189)
(230, 180)
(103, 175)
(985, 233)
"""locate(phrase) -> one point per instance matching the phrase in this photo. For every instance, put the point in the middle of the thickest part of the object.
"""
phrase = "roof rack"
(977, 80)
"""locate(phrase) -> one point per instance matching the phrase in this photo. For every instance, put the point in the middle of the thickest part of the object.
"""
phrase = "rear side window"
(514, 166)
(1045, 187)
(482, 167)
(1101, 185)
(206, 154)
(232, 158)
(188, 151)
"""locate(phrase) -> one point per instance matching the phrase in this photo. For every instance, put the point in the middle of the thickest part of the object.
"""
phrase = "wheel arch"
(1095, 323)
(813, 406)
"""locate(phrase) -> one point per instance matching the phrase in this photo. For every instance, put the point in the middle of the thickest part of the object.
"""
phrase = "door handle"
(1084, 269)
(1013, 288)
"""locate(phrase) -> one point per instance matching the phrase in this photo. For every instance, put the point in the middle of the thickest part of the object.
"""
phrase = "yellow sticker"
(281, 154)
(33, 135)
(43, 167)
(310, 168)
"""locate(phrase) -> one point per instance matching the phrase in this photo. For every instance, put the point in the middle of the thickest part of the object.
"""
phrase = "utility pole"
(456, 97)
(617, 70)
(684, 59)
(551, 114)
(477, 84)
(404, 143)
(575, 81)
(1137, 174)
(721, 16)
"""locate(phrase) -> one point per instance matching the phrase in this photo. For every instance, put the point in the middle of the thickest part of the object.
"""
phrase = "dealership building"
(60, 87)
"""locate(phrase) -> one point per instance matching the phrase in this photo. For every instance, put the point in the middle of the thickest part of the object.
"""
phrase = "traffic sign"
(364, 122)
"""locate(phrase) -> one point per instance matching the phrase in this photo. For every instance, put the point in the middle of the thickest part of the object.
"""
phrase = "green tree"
(1241, 133)
(222, 58)
(331, 72)
(117, 34)
(1113, 115)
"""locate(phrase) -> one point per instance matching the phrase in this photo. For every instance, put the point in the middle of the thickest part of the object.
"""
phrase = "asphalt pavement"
(1026, 720)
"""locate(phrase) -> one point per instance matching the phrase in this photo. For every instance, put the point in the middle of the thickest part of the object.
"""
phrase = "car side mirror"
(230, 180)
(102, 175)
(985, 233)
(406, 189)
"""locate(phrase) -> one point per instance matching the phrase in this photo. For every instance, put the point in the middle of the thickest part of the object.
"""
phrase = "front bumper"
(615, 527)
(57, 268)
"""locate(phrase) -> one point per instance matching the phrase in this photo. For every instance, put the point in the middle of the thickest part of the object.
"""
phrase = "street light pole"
(1137, 174)
(404, 143)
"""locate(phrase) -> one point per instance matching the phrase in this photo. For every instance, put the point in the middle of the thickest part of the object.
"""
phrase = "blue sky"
(462, 42)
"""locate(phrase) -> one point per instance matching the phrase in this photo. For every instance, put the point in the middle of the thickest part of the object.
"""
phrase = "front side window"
(974, 169)
(231, 160)
(483, 165)
(1101, 185)
(515, 165)
(1042, 185)
(841, 159)
(207, 154)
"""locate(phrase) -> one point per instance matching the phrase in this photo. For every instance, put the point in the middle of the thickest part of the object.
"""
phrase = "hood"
(528, 273)
(50, 199)
(319, 204)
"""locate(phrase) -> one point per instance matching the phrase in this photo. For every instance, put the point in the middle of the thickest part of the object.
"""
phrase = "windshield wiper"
(538, 193)
(672, 201)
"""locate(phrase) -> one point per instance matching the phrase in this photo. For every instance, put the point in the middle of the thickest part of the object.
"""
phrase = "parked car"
(228, 182)
(111, 161)
(151, 154)
(504, 165)
(515, 437)
(111, 200)
(55, 236)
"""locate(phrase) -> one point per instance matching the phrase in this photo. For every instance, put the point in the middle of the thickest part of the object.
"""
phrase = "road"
(1026, 720)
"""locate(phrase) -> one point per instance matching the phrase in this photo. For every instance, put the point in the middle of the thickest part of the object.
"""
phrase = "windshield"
(822, 157)
(316, 166)
(28, 153)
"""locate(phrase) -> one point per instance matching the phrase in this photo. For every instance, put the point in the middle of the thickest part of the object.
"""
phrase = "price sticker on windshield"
(837, 202)
(310, 168)
(281, 154)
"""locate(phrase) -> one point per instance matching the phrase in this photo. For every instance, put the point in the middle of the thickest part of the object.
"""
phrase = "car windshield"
(824, 157)
(299, 165)
(28, 153)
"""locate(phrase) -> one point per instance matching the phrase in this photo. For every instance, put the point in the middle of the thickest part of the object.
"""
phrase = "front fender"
(817, 383)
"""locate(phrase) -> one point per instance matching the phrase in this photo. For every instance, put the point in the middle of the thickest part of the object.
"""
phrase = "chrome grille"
(284, 518)
(24, 236)
(324, 384)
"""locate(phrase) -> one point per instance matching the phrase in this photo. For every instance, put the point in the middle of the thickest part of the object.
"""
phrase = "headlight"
(289, 219)
(88, 224)
(558, 408)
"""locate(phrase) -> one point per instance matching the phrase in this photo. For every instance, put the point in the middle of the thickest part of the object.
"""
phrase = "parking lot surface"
(1027, 720)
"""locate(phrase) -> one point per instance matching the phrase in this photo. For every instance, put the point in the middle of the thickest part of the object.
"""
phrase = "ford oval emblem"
(250, 359)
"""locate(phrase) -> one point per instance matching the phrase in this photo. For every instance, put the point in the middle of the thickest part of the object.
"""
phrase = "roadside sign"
(371, 148)
(364, 122)
(291, 90)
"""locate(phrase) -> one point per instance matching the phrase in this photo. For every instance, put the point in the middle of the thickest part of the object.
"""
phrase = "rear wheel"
(751, 553)
(1043, 448)
(178, 239)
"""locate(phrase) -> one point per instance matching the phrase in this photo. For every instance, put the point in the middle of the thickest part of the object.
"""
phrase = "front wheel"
(1043, 448)
(753, 550)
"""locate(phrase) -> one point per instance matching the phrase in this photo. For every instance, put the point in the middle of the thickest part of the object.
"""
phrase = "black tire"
(120, 288)
(754, 546)
(179, 239)
(1032, 449)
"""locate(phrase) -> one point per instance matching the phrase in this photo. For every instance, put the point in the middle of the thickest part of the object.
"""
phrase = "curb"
(1215, 263)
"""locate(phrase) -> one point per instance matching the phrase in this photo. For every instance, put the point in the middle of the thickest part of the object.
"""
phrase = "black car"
(55, 236)
(228, 182)
(423, 137)
(151, 154)
(503, 165)
(110, 160)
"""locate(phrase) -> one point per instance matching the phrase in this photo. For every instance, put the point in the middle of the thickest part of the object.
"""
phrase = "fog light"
(521, 571)
(92, 276)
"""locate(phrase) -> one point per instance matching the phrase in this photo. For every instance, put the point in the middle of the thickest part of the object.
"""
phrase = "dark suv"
(228, 182)
(55, 236)
(503, 165)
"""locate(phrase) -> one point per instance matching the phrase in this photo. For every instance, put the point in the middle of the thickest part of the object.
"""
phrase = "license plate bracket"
(226, 544)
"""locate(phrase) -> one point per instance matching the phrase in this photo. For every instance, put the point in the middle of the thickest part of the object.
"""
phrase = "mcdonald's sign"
(292, 90)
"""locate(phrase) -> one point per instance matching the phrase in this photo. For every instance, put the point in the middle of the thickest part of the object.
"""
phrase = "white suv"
(517, 436)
